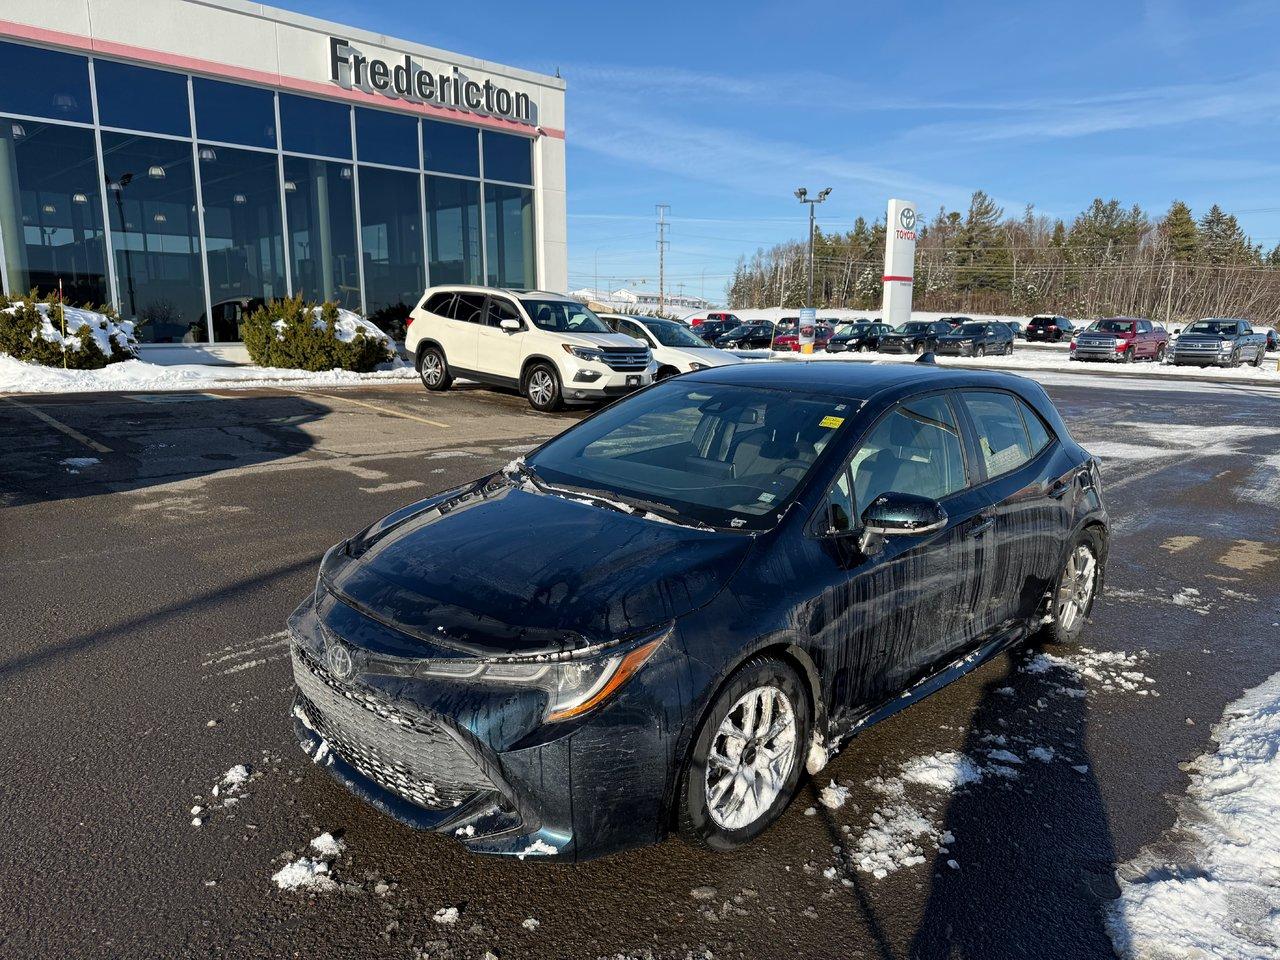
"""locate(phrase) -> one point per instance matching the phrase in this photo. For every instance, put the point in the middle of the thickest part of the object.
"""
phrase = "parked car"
(1018, 327)
(748, 336)
(728, 319)
(1221, 342)
(1273, 338)
(712, 330)
(1122, 339)
(1049, 328)
(674, 346)
(954, 322)
(976, 339)
(552, 349)
(914, 336)
(776, 560)
(790, 340)
(858, 337)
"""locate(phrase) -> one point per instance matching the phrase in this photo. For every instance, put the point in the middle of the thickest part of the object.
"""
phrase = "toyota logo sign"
(907, 218)
(340, 663)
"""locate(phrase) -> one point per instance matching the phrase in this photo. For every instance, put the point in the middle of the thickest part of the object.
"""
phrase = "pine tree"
(983, 250)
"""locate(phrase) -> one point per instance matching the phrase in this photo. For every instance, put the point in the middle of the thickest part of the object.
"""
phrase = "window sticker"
(831, 422)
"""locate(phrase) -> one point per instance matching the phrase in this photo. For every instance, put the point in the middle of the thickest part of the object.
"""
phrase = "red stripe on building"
(887, 278)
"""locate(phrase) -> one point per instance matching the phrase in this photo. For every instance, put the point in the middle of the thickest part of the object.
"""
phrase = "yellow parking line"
(59, 425)
(374, 406)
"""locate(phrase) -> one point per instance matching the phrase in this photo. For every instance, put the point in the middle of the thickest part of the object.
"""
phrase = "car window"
(914, 449)
(441, 304)
(499, 310)
(632, 329)
(1002, 436)
(563, 316)
(1144, 326)
(469, 307)
(1037, 432)
(839, 511)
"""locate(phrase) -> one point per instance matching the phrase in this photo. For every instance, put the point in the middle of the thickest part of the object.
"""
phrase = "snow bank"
(139, 376)
(1219, 895)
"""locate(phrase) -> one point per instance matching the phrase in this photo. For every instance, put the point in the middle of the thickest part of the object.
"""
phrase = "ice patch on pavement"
(76, 464)
(1211, 888)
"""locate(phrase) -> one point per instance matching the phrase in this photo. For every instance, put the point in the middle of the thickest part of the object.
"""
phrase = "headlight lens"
(574, 684)
(591, 354)
(697, 366)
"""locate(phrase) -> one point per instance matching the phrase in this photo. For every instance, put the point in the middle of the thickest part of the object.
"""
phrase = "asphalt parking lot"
(151, 547)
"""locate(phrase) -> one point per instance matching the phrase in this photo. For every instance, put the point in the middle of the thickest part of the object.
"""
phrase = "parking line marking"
(374, 406)
(71, 432)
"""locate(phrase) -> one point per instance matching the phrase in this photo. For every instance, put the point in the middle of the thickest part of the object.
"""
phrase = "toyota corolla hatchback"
(659, 620)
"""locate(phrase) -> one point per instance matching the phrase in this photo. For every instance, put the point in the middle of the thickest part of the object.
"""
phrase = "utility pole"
(663, 210)
(802, 195)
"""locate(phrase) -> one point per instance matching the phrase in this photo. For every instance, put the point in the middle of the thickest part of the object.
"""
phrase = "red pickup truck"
(790, 340)
(1122, 339)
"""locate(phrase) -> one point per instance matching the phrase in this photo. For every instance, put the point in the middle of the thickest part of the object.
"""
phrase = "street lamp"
(802, 194)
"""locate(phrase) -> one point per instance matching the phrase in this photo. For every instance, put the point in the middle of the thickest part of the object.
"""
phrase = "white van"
(549, 347)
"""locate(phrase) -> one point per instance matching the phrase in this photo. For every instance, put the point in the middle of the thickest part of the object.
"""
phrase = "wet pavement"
(144, 595)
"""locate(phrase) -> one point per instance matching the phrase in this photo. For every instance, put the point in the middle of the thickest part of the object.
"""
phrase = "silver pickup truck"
(1219, 342)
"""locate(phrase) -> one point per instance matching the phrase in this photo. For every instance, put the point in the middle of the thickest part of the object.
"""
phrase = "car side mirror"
(895, 513)
(509, 325)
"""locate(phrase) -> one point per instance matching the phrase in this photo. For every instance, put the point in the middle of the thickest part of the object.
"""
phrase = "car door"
(890, 616)
(500, 352)
(457, 331)
(1026, 505)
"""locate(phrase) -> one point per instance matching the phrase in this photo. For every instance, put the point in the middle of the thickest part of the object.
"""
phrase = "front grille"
(1096, 346)
(626, 358)
(410, 755)
(1196, 350)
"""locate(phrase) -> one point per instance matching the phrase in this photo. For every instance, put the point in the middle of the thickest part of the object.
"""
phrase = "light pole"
(802, 195)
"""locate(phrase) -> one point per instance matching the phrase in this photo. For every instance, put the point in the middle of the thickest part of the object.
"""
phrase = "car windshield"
(913, 328)
(741, 331)
(1113, 326)
(563, 316)
(853, 330)
(669, 333)
(970, 329)
(725, 456)
(1212, 326)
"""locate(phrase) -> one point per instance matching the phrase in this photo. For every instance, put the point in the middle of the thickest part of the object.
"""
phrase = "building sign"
(899, 262)
(408, 81)
(804, 335)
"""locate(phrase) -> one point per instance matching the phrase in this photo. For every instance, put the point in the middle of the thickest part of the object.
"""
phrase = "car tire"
(1235, 359)
(1160, 351)
(980, 350)
(1126, 355)
(542, 388)
(707, 813)
(1074, 591)
(919, 349)
(433, 369)
(1259, 357)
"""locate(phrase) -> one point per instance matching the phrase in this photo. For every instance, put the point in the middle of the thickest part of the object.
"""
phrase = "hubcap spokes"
(540, 387)
(1076, 590)
(752, 756)
(431, 369)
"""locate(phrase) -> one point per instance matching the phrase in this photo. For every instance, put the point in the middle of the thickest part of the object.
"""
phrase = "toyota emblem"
(907, 218)
(340, 663)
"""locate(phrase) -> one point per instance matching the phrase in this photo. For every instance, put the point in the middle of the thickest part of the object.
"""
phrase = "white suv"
(549, 347)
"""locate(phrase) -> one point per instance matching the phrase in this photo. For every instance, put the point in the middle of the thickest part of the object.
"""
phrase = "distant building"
(624, 300)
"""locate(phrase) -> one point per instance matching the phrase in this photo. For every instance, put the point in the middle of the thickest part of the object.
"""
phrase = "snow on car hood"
(498, 570)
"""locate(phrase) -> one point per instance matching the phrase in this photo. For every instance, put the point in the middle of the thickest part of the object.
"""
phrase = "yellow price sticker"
(831, 422)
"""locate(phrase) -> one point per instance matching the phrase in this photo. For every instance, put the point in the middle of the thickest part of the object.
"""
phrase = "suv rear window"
(441, 303)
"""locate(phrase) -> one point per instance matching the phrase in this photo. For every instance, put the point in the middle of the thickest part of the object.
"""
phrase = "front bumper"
(592, 382)
(1108, 354)
(1199, 358)
(955, 350)
(896, 347)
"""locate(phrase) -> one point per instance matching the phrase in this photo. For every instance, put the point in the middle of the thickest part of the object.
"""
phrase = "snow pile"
(833, 796)
(446, 916)
(895, 839)
(1110, 670)
(313, 873)
(226, 793)
(328, 846)
(101, 327)
(941, 771)
(1219, 894)
(345, 328)
(139, 376)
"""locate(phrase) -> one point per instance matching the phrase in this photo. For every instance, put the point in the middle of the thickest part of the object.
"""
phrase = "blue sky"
(721, 110)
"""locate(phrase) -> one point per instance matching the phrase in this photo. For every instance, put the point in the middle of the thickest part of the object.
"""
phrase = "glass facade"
(185, 200)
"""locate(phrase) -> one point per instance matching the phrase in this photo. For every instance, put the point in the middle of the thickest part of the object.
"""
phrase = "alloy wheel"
(1075, 591)
(432, 369)
(541, 387)
(751, 758)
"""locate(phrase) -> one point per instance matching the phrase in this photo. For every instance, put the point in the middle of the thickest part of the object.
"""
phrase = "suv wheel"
(980, 351)
(542, 387)
(746, 763)
(433, 369)
(919, 350)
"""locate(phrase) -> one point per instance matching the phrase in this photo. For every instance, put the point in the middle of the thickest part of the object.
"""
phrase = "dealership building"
(184, 160)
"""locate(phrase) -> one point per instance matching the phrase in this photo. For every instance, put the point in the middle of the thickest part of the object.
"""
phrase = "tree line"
(1110, 260)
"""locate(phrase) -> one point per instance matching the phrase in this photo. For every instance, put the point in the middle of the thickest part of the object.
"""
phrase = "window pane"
(52, 84)
(234, 113)
(915, 449)
(315, 126)
(453, 230)
(151, 200)
(840, 505)
(320, 204)
(51, 211)
(1036, 430)
(450, 148)
(1001, 435)
(241, 231)
(139, 98)
(507, 157)
(391, 234)
(387, 138)
(509, 236)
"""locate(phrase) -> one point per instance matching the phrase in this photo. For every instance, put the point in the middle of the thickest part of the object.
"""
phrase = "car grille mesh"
(411, 756)
(626, 358)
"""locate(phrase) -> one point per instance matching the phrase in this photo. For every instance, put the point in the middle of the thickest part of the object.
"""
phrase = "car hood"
(708, 356)
(598, 339)
(499, 570)
(958, 337)
(1202, 338)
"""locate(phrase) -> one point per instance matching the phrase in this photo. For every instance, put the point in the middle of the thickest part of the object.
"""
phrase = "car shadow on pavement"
(1034, 862)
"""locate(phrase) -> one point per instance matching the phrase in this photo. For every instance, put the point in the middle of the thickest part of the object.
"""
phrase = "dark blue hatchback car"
(659, 620)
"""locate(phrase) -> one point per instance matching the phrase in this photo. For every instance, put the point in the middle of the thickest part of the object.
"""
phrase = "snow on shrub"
(292, 333)
(31, 330)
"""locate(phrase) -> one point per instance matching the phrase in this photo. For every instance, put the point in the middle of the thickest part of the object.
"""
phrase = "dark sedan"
(858, 337)
(712, 330)
(662, 618)
(748, 336)
(976, 340)
(915, 336)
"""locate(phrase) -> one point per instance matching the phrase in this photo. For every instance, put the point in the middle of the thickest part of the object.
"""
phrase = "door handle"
(1059, 489)
(982, 526)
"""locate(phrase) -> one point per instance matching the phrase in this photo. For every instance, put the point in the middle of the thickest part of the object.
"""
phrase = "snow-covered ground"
(1211, 888)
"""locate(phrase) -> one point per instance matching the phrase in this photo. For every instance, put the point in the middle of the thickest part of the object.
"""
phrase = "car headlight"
(1224, 347)
(694, 365)
(584, 353)
(575, 683)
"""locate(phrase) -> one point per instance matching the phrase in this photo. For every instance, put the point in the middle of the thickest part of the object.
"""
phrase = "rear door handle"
(1059, 489)
(982, 526)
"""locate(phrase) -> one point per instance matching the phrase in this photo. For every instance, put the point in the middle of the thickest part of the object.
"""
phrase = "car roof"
(850, 380)
(509, 291)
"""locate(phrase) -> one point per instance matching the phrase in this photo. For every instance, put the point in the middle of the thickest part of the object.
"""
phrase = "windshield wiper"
(631, 505)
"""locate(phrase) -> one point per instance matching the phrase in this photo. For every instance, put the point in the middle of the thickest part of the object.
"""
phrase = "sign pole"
(899, 261)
